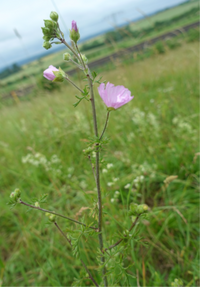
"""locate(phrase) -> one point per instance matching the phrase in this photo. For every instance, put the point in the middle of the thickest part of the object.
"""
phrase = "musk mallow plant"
(114, 98)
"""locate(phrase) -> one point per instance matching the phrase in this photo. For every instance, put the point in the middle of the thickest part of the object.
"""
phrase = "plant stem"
(69, 241)
(69, 47)
(106, 123)
(90, 275)
(84, 66)
(74, 85)
(98, 180)
(120, 240)
(52, 212)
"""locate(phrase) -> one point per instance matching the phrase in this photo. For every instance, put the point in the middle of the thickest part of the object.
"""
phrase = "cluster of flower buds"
(136, 209)
(51, 217)
(15, 195)
(51, 30)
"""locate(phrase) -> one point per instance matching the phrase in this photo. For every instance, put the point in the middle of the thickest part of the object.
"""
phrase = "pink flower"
(74, 26)
(48, 73)
(114, 97)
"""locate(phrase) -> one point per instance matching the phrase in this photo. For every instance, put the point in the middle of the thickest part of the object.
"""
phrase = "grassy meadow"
(154, 136)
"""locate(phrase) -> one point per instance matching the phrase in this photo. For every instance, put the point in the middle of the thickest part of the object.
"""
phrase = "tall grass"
(153, 137)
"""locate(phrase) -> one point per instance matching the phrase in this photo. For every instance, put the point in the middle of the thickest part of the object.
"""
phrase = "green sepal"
(46, 31)
(54, 16)
(59, 75)
(47, 45)
(49, 24)
(74, 36)
(110, 109)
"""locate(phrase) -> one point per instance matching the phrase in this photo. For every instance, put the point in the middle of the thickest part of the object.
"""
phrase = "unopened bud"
(84, 58)
(142, 208)
(46, 31)
(51, 217)
(136, 209)
(49, 24)
(46, 38)
(37, 204)
(47, 45)
(54, 16)
(88, 150)
(74, 33)
(12, 195)
(59, 75)
(15, 195)
(66, 57)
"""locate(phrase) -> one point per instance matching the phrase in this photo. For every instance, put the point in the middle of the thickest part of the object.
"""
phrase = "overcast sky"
(92, 16)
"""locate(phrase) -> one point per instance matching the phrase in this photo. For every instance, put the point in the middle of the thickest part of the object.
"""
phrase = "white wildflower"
(109, 165)
(127, 186)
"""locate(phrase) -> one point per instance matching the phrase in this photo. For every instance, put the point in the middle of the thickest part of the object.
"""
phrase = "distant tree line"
(9, 71)
(126, 32)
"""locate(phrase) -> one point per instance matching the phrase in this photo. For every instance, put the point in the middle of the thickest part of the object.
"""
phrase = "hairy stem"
(106, 123)
(120, 240)
(90, 275)
(55, 213)
(84, 66)
(69, 47)
(98, 180)
(69, 241)
(72, 83)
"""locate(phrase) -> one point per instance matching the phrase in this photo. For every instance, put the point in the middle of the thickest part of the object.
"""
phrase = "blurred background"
(150, 47)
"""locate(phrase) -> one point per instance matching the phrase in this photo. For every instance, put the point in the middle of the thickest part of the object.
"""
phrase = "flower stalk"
(55, 213)
(69, 241)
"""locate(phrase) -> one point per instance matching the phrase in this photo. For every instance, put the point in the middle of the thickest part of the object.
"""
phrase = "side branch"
(120, 240)
(55, 213)
(69, 241)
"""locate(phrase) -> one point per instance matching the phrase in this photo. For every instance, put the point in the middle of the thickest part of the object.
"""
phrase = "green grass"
(155, 135)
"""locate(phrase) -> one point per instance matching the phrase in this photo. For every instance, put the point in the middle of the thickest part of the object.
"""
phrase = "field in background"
(154, 136)
(31, 74)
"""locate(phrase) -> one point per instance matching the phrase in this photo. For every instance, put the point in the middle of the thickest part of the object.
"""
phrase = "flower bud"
(59, 75)
(66, 57)
(136, 209)
(48, 73)
(49, 24)
(88, 150)
(74, 33)
(54, 16)
(47, 38)
(84, 58)
(51, 217)
(17, 192)
(74, 26)
(37, 204)
(15, 195)
(46, 31)
(142, 208)
(47, 45)
(12, 195)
